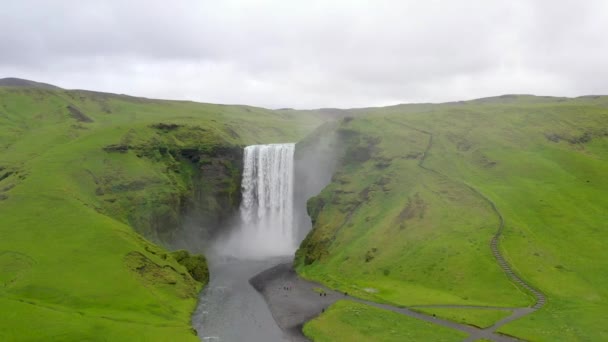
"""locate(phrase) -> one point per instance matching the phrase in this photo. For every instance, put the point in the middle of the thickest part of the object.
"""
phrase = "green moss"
(195, 264)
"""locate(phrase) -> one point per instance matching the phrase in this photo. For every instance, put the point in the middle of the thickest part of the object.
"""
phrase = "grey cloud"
(309, 54)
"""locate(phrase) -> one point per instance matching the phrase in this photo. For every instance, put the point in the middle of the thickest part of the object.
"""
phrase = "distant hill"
(19, 82)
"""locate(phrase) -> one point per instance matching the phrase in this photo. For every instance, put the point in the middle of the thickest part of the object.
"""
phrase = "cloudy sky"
(308, 54)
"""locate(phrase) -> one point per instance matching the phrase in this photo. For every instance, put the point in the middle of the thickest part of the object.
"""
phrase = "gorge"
(265, 235)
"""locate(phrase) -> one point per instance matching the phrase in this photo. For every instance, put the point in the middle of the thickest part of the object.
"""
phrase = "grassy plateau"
(407, 218)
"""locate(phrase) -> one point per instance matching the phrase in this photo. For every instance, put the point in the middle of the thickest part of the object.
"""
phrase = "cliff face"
(194, 194)
(213, 198)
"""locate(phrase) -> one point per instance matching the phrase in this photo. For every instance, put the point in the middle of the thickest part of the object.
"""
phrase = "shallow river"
(230, 309)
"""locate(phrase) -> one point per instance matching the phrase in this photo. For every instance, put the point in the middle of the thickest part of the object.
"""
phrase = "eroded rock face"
(193, 196)
(206, 193)
(214, 196)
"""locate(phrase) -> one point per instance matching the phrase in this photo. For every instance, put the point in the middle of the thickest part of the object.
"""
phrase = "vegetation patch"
(152, 274)
(166, 127)
(415, 208)
(13, 265)
(195, 264)
(350, 321)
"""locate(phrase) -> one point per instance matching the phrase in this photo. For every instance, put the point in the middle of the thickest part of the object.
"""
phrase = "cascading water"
(266, 214)
(267, 205)
(230, 309)
(271, 211)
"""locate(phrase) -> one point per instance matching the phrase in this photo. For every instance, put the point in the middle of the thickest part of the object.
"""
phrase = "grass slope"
(71, 266)
(390, 230)
(350, 321)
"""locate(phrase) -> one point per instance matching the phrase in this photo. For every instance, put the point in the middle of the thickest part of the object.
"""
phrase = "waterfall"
(267, 187)
(266, 213)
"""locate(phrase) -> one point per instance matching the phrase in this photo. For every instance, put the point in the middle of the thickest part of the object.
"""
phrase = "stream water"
(230, 309)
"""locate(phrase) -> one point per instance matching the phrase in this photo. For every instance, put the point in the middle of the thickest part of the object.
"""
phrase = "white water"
(266, 226)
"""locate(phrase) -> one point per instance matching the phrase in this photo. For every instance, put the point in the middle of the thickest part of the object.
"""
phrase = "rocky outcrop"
(197, 194)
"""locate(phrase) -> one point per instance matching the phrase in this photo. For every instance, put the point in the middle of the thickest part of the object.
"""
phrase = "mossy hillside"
(81, 263)
(550, 193)
(381, 227)
(71, 193)
(176, 142)
(541, 161)
(193, 180)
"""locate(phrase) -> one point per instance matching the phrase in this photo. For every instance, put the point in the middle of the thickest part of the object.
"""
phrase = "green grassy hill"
(93, 184)
(80, 172)
(407, 218)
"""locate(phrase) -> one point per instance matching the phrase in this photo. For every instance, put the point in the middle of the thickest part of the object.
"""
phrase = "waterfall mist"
(316, 160)
(265, 227)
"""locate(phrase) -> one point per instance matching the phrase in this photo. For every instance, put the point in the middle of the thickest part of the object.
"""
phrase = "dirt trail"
(494, 246)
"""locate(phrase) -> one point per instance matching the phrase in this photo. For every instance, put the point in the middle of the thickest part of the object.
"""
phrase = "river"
(230, 309)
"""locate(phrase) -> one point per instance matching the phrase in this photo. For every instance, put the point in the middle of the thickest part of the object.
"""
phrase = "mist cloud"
(309, 54)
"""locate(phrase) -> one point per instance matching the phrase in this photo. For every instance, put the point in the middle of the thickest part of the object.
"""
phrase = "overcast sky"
(309, 54)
